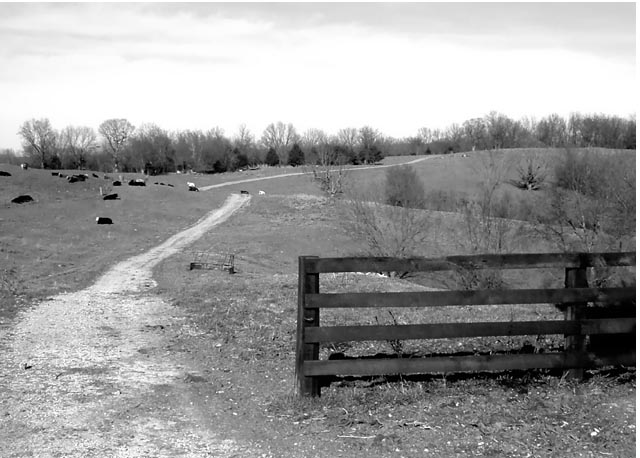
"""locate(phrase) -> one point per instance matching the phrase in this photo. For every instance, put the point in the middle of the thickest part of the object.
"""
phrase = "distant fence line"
(578, 321)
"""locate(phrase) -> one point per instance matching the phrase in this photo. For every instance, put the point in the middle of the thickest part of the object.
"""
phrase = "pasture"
(239, 330)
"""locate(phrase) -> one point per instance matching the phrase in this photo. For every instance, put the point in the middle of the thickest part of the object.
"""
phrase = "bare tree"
(78, 141)
(389, 230)
(429, 135)
(281, 138)
(317, 146)
(476, 130)
(244, 139)
(39, 139)
(348, 137)
(116, 132)
(368, 137)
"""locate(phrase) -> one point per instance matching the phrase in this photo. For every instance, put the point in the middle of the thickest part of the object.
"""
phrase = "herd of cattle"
(110, 196)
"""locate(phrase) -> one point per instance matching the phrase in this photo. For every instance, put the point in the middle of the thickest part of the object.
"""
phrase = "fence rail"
(576, 325)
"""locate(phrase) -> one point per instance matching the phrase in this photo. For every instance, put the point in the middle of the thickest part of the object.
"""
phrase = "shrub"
(532, 175)
(404, 188)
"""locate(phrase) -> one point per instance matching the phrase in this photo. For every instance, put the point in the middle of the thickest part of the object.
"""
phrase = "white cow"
(262, 193)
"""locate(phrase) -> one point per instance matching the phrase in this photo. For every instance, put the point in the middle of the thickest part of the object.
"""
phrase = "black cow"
(4, 174)
(22, 199)
(111, 197)
(103, 220)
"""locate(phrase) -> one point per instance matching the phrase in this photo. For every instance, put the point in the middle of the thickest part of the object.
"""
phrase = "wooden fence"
(578, 321)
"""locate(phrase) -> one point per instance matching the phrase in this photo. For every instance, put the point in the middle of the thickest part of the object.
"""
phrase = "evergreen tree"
(296, 156)
(272, 157)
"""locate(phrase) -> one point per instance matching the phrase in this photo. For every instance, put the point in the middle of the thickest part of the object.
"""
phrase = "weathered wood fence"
(575, 296)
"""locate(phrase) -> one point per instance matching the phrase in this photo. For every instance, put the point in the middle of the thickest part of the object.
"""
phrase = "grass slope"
(240, 330)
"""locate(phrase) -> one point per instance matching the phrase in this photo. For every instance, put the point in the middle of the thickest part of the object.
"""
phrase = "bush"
(532, 175)
(592, 207)
(404, 188)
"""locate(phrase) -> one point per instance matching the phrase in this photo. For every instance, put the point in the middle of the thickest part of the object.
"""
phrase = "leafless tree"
(78, 141)
(386, 230)
(244, 139)
(39, 139)
(281, 138)
(317, 147)
(429, 135)
(368, 137)
(116, 132)
(348, 137)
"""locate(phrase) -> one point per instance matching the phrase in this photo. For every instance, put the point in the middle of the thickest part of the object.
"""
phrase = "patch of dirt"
(94, 373)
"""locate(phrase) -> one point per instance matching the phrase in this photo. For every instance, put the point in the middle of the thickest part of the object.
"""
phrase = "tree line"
(119, 145)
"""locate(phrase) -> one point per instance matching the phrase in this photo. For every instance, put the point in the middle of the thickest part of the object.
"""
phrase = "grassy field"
(240, 329)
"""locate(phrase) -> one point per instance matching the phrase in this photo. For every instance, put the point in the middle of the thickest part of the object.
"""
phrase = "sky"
(396, 67)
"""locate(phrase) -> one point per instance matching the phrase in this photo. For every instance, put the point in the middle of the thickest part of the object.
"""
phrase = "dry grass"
(244, 332)
(242, 327)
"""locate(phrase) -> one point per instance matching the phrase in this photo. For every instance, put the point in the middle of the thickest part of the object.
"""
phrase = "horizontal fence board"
(471, 297)
(353, 367)
(494, 261)
(452, 330)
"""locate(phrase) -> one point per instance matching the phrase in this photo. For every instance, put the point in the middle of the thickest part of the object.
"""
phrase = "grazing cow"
(137, 182)
(117, 183)
(24, 166)
(111, 197)
(95, 176)
(54, 174)
(192, 187)
(22, 199)
(103, 220)
(261, 193)
(4, 174)
(73, 179)
(170, 185)
(244, 192)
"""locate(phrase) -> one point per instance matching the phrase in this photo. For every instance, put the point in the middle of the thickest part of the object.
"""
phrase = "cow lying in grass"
(192, 186)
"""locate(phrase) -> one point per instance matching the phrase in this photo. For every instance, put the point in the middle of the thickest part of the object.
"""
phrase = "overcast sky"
(396, 67)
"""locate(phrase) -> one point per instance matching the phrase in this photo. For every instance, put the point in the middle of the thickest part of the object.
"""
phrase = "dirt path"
(92, 373)
(294, 174)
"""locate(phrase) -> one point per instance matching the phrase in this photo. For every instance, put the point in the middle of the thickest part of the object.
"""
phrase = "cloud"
(330, 65)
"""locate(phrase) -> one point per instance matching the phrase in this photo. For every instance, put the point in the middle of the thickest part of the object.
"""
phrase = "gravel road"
(90, 373)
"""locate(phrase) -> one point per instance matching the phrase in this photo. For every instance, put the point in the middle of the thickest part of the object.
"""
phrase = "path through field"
(92, 373)
(294, 174)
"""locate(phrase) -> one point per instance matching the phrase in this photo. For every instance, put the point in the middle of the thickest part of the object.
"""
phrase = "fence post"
(308, 283)
(575, 278)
